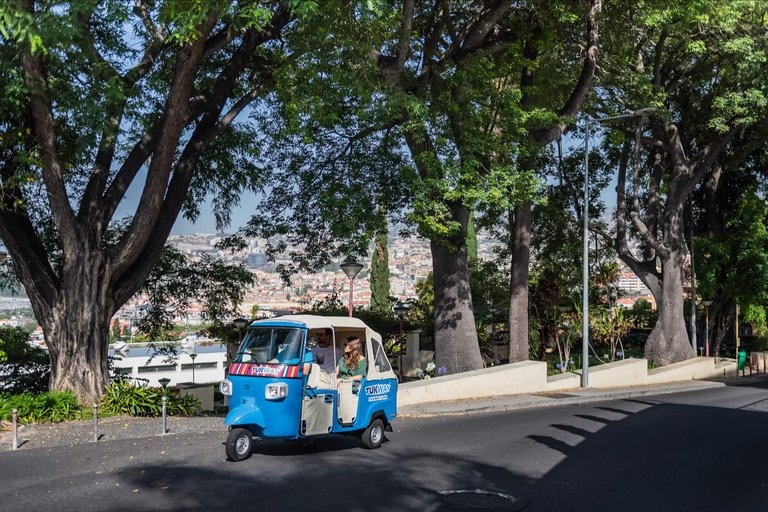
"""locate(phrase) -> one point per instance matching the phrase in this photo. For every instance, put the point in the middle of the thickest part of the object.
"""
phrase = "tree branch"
(634, 214)
(208, 128)
(583, 85)
(42, 114)
(703, 161)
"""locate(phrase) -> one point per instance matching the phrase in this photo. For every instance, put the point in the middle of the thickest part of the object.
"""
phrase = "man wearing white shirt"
(326, 349)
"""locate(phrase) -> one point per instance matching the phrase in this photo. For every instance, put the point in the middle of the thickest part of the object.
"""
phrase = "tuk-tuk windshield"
(271, 345)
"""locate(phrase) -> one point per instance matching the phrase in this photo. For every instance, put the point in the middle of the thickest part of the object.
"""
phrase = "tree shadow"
(627, 457)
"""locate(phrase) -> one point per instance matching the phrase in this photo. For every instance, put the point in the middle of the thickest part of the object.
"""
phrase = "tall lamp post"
(351, 269)
(585, 270)
(706, 304)
(492, 309)
(401, 311)
(193, 356)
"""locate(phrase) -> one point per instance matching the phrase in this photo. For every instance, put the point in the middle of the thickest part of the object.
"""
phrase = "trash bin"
(742, 359)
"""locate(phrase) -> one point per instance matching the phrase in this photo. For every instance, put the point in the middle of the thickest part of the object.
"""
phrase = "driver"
(330, 355)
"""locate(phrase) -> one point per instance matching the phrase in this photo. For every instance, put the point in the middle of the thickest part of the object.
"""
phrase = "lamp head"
(706, 303)
(493, 309)
(193, 356)
(164, 381)
(239, 323)
(351, 269)
(401, 310)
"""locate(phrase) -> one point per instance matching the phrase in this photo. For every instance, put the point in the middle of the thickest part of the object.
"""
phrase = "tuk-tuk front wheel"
(374, 434)
(239, 444)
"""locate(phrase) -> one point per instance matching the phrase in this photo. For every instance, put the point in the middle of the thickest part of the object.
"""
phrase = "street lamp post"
(493, 309)
(193, 356)
(585, 270)
(401, 311)
(706, 304)
(351, 269)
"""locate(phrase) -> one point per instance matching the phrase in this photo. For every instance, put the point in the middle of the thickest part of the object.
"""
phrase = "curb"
(553, 402)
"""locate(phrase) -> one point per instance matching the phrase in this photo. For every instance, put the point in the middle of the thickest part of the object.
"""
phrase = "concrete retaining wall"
(531, 377)
(698, 368)
(508, 379)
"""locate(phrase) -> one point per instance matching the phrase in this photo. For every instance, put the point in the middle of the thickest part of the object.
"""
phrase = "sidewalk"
(46, 435)
(576, 396)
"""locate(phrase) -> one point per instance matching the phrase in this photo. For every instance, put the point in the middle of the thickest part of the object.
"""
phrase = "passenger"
(325, 349)
(353, 365)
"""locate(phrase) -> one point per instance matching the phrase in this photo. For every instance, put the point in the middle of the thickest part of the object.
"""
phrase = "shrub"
(123, 397)
(49, 407)
(27, 367)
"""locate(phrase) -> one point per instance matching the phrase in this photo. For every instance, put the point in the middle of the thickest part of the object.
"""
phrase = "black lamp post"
(164, 382)
(492, 309)
(706, 304)
(401, 311)
(193, 356)
(351, 269)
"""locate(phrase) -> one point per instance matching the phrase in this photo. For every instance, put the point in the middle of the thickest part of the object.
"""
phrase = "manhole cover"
(479, 498)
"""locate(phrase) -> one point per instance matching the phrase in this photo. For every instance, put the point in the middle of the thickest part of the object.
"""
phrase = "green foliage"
(27, 367)
(176, 281)
(48, 407)
(642, 315)
(379, 276)
(422, 312)
(123, 397)
(609, 327)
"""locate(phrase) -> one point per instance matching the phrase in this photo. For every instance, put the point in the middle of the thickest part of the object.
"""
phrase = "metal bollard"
(165, 430)
(95, 422)
(15, 418)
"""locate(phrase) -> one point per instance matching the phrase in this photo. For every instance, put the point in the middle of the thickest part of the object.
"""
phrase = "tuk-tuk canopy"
(317, 322)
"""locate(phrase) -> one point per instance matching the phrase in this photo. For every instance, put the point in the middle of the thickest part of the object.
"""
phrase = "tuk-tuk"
(278, 390)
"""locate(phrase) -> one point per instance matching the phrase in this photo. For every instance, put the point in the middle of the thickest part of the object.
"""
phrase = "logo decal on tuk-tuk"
(264, 370)
(377, 392)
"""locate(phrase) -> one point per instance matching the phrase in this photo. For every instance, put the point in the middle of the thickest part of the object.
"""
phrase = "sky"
(206, 223)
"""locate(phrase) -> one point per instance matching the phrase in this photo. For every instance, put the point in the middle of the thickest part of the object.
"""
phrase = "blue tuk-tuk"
(278, 389)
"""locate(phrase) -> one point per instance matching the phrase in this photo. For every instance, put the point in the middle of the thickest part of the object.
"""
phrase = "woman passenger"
(352, 366)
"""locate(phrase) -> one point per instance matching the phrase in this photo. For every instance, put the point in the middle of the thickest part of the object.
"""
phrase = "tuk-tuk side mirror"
(314, 376)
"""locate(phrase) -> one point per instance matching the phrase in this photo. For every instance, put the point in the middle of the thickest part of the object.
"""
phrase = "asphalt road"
(696, 451)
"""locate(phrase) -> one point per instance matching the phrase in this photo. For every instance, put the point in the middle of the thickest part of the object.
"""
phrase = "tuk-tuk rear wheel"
(239, 444)
(374, 434)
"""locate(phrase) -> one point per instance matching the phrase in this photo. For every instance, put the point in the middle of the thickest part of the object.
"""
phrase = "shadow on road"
(624, 456)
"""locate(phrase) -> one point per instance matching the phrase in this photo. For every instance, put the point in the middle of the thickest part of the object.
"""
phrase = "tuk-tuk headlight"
(225, 387)
(276, 391)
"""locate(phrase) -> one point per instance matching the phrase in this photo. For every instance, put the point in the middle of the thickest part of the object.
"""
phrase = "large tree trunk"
(520, 222)
(720, 324)
(77, 329)
(668, 342)
(455, 335)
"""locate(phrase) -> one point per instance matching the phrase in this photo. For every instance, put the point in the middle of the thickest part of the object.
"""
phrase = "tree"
(94, 94)
(115, 336)
(379, 276)
(430, 86)
(702, 65)
(734, 266)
